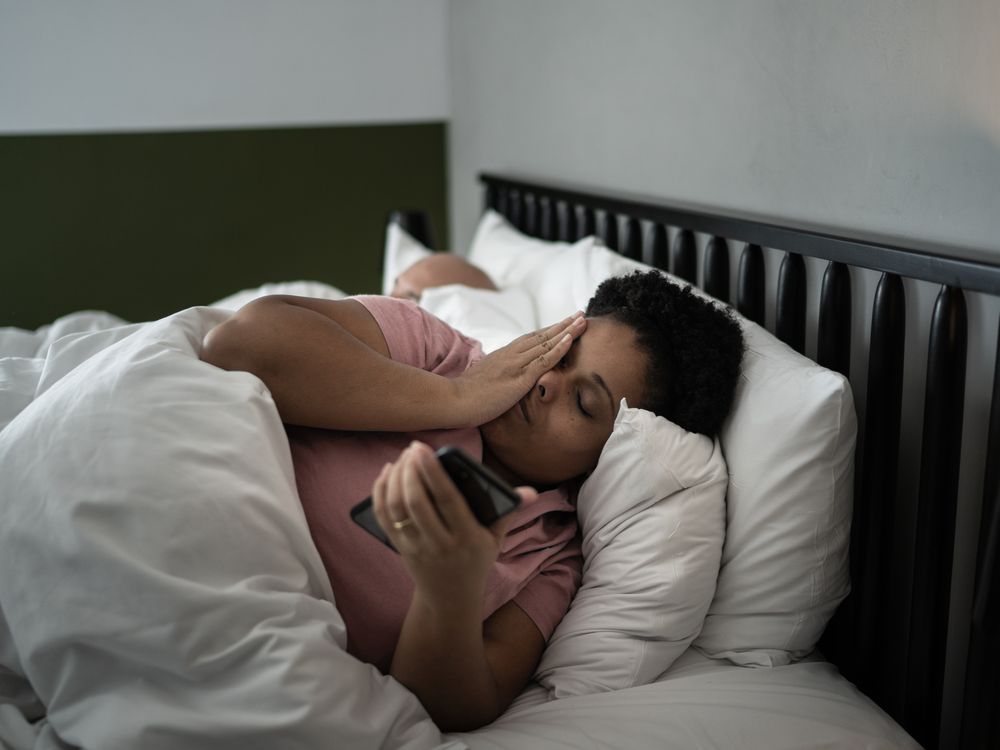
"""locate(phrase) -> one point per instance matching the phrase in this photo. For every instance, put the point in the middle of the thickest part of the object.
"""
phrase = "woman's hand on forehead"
(497, 382)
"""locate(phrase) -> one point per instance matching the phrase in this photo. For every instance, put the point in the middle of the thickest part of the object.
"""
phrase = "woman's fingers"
(452, 506)
(420, 508)
(546, 353)
(380, 491)
(394, 507)
(404, 505)
(547, 338)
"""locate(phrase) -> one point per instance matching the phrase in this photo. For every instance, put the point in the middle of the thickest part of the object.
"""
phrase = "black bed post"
(632, 241)
(981, 718)
(684, 257)
(790, 308)
(568, 231)
(716, 273)
(877, 606)
(609, 230)
(491, 198)
(940, 456)
(417, 224)
(588, 226)
(833, 345)
(750, 284)
(658, 252)
(546, 218)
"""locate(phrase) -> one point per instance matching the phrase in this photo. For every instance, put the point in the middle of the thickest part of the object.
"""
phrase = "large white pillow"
(560, 276)
(494, 318)
(652, 516)
(789, 446)
(789, 443)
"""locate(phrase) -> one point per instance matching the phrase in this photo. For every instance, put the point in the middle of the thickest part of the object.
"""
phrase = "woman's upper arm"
(348, 313)
(239, 342)
(514, 647)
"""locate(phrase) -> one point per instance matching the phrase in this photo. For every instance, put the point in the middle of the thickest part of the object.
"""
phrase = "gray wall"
(881, 115)
(873, 115)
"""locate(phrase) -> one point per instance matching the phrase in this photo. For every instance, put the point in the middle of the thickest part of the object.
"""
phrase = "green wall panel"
(144, 224)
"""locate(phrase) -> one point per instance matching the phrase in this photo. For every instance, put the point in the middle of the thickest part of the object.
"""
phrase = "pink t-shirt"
(539, 564)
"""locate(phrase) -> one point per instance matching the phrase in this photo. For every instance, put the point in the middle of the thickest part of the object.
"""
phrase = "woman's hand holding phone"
(446, 550)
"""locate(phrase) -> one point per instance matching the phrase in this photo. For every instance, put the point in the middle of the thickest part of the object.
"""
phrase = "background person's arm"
(326, 364)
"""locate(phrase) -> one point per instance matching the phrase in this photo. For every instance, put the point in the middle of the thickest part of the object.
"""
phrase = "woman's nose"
(547, 386)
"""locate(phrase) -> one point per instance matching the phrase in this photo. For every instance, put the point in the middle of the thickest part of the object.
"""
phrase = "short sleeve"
(540, 563)
(547, 596)
(417, 338)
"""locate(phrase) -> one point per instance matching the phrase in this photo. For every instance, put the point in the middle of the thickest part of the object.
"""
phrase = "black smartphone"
(489, 497)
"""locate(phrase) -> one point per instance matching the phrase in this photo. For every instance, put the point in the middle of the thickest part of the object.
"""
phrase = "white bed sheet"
(702, 703)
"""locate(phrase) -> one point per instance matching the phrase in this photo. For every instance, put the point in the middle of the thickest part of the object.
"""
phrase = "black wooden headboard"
(890, 636)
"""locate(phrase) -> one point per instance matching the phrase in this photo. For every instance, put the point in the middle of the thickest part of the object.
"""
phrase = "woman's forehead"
(610, 349)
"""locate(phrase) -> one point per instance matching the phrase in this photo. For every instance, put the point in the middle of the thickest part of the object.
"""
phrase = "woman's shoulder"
(419, 338)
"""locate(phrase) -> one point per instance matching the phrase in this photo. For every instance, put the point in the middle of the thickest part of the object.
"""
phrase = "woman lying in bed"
(369, 386)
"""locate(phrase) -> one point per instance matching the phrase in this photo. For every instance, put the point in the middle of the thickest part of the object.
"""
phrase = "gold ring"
(402, 524)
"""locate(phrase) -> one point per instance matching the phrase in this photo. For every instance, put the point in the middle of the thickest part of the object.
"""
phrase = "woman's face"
(557, 431)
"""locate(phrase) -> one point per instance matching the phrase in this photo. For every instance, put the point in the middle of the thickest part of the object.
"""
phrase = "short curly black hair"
(694, 347)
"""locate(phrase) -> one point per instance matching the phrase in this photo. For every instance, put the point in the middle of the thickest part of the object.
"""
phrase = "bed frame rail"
(889, 639)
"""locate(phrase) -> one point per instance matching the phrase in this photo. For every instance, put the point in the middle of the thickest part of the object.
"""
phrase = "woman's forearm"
(322, 375)
(441, 657)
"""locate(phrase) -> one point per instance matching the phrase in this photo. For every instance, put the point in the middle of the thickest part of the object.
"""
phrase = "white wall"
(882, 115)
(118, 65)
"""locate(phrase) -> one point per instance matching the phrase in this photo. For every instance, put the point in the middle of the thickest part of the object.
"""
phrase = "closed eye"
(579, 403)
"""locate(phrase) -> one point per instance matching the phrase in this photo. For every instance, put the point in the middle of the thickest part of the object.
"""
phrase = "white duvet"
(159, 587)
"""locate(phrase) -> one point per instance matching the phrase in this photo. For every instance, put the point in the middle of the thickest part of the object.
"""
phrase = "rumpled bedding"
(158, 584)
(159, 587)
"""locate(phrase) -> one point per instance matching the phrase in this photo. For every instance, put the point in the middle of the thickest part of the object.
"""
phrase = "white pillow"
(789, 443)
(652, 516)
(561, 277)
(494, 318)
(400, 252)
(300, 288)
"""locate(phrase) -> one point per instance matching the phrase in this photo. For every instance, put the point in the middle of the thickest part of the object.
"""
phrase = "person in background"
(439, 269)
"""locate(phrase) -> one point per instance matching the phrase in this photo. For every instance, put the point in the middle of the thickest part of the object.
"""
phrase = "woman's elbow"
(234, 344)
(216, 347)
